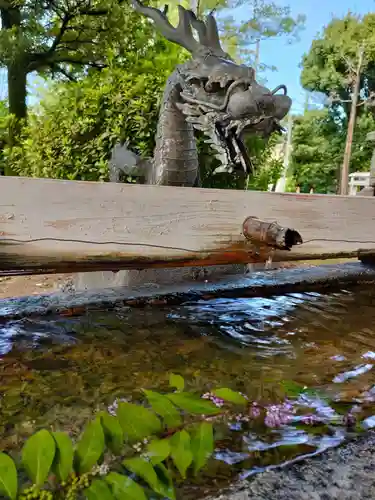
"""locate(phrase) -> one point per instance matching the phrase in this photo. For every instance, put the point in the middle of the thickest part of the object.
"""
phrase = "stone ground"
(343, 473)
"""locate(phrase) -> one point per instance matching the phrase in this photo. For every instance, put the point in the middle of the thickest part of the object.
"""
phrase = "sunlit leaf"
(124, 488)
(291, 388)
(181, 451)
(8, 477)
(230, 396)
(193, 404)
(63, 461)
(98, 490)
(37, 456)
(202, 444)
(113, 432)
(90, 446)
(163, 407)
(158, 450)
(176, 381)
(137, 422)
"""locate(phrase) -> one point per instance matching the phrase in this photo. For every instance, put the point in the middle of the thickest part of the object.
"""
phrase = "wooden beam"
(51, 225)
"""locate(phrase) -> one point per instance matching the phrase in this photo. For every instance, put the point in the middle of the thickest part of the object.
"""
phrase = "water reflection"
(65, 367)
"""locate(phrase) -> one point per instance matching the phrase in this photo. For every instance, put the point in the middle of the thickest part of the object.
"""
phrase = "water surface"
(57, 370)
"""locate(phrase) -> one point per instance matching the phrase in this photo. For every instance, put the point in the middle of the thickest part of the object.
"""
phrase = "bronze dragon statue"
(210, 93)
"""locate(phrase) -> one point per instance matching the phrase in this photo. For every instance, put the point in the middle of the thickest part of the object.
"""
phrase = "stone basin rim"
(258, 284)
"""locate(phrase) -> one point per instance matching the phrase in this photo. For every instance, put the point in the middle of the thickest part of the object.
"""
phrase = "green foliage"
(177, 381)
(48, 456)
(98, 490)
(267, 168)
(193, 404)
(38, 455)
(90, 447)
(267, 164)
(8, 477)
(64, 456)
(330, 67)
(113, 433)
(137, 422)
(181, 451)
(202, 444)
(318, 146)
(92, 115)
(230, 396)
(124, 487)
(333, 56)
(163, 407)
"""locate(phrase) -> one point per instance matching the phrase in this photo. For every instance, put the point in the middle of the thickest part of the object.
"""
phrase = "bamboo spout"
(270, 234)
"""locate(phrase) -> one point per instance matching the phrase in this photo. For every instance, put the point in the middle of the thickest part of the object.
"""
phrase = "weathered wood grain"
(117, 226)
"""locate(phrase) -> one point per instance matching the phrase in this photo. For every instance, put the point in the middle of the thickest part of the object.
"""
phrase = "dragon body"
(209, 93)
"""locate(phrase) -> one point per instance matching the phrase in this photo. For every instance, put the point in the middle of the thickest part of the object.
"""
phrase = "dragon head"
(219, 97)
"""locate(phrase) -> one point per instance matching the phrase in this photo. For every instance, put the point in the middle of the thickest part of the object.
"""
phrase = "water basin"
(57, 370)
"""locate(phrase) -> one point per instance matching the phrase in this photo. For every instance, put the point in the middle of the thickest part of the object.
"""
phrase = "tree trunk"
(17, 75)
(17, 92)
(17, 89)
(344, 179)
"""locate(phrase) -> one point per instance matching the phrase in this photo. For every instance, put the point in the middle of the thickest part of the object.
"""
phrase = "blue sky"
(287, 57)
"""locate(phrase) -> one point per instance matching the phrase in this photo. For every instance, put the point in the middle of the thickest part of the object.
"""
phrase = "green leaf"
(8, 477)
(98, 490)
(193, 404)
(181, 451)
(90, 447)
(37, 456)
(292, 389)
(202, 445)
(124, 488)
(229, 395)
(137, 422)
(113, 432)
(163, 407)
(166, 479)
(158, 450)
(63, 461)
(144, 469)
(177, 381)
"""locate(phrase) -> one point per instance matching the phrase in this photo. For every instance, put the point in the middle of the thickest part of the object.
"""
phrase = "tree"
(341, 64)
(59, 37)
(331, 64)
(93, 115)
(318, 143)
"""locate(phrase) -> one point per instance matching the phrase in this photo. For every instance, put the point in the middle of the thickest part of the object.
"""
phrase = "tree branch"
(80, 61)
(58, 69)
(60, 34)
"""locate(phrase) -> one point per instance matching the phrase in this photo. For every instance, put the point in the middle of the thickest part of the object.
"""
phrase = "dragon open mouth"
(239, 158)
(226, 111)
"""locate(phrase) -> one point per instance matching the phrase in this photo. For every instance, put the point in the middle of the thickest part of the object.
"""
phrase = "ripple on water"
(325, 342)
